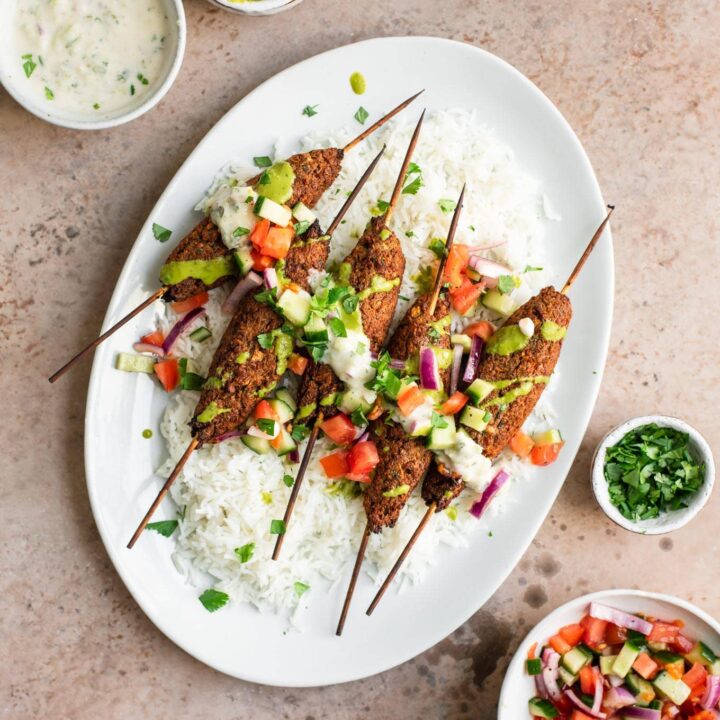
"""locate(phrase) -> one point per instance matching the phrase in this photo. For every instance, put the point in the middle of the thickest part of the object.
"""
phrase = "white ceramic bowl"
(256, 7)
(12, 79)
(669, 521)
(518, 687)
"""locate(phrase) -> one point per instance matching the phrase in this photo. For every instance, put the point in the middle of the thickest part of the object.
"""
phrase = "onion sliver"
(641, 713)
(489, 268)
(618, 697)
(550, 675)
(712, 693)
(249, 282)
(429, 370)
(270, 278)
(180, 326)
(478, 508)
(456, 365)
(473, 361)
(142, 347)
(580, 705)
(228, 435)
(620, 618)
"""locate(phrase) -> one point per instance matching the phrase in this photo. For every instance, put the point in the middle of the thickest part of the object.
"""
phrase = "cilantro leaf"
(289, 480)
(302, 227)
(301, 588)
(265, 340)
(506, 284)
(277, 527)
(437, 245)
(28, 66)
(413, 187)
(530, 268)
(361, 115)
(338, 327)
(262, 161)
(245, 552)
(299, 433)
(350, 303)
(266, 425)
(213, 600)
(358, 417)
(309, 110)
(239, 231)
(165, 527)
(438, 421)
(162, 234)
(447, 206)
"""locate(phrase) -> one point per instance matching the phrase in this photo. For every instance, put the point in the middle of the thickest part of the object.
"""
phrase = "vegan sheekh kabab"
(367, 292)
(509, 378)
(245, 368)
(246, 226)
(404, 455)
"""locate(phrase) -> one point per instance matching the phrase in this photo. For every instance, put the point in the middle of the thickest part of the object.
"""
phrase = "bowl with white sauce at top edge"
(88, 64)
(255, 7)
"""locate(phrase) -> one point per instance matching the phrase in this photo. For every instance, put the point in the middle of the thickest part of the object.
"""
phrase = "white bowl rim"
(668, 521)
(136, 112)
(599, 595)
(257, 7)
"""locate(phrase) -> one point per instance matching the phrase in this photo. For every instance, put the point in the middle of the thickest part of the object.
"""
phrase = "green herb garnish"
(302, 227)
(301, 588)
(437, 245)
(447, 206)
(28, 66)
(213, 600)
(412, 187)
(162, 234)
(361, 115)
(299, 432)
(277, 527)
(49, 94)
(289, 480)
(358, 417)
(239, 231)
(530, 268)
(165, 527)
(506, 284)
(397, 491)
(266, 425)
(245, 552)
(338, 327)
(438, 421)
(262, 161)
(309, 110)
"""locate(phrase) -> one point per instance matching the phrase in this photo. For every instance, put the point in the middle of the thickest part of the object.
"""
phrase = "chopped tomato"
(482, 329)
(587, 680)
(261, 262)
(681, 644)
(572, 634)
(695, 676)
(457, 261)
(153, 338)
(663, 632)
(260, 232)
(277, 441)
(339, 429)
(532, 651)
(183, 306)
(466, 295)
(168, 372)
(298, 364)
(703, 715)
(277, 243)
(335, 464)
(594, 631)
(578, 715)
(615, 634)
(362, 458)
(453, 404)
(645, 666)
(545, 454)
(264, 411)
(522, 444)
(410, 398)
(559, 644)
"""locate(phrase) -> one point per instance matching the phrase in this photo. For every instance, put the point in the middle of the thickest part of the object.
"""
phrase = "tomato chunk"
(277, 242)
(261, 262)
(264, 411)
(522, 444)
(681, 644)
(587, 680)
(545, 454)
(153, 338)
(615, 634)
(362, 458)
(559, 644)
(183, 306)
(482, 329)
(409, 398)
(335, 464)
(663, 632)
(645, 666)
(594, 631)
(168, 372)
(297, 364)
(260, 232)
(453, 404)
(339, 429)
(466, 295)
(695, 676)
(457, 260)
(572, 634)
(578, 715)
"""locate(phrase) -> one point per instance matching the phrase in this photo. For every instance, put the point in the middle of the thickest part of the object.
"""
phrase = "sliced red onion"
(270, 278)
(294, 456)
(641, 713)
(397, 364)
(672, 710)
(456, 365)
(540, 686)
(429, 370)
(580, 705)
(620, 618)
(489, 268)
(618, 697)
(142, 347)
(182, 324)
(255, 431)
(712, 692)
(249, 282)
(615, 680)
(550, 675)
(364, 435)
(598, 697)
(228, 435)
(490, 283)
(473, 360)
(547, 653)
(475, 249)
(478, 508)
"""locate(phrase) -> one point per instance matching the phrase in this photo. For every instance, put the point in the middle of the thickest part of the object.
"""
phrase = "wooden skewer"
(316, 428)
(446, 252)
(431, 508)
(145, 303)
(380, 122)
(353, 579)
(163, 491)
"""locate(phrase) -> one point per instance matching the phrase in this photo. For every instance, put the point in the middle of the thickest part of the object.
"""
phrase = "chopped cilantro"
(309, 110)
(262, 161)
(302, 227)
(49, 94)
(265, 340)
(506, 284)
(266, 425)
(301, 588)
(277, 527)
(213, 600)
(162, 234)
(245, 552)
(397, 491)
(299, 432)
(447, 206)
(338, 327)
(530, 268)
(438, 421)
(386, 380)
(413, 186)
(132, 89)
(380, 208)
(358, 417)
(409, 233)
(96, 106)
(239, 231)
(165, 527)
(437, 245)
(28, 66)
(142, 79)
(350, 303)
(289, 480)
(361, 115)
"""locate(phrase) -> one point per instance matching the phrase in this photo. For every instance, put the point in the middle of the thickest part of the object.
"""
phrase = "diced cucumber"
(200, 334)
(475, 418)
(315, 331)
(625, 659)
(566, 676)
(287, 398)
(464, 340)
(284, 443)
(295, 306)
(442, 438)
(303, 213)
(575, 660)
(606, 663)
(272, 211)
(671, 688)
(306, 410)
(541, 708)
(656, 705)
(533, 666)
(478, 390)
(328, 400)
(549, 437)
(243, 259)
(714, 669)
(352, 400)
(670, 660)
(702, 654)
(657, 646)
(134, 363)
(501, 304)
(284, 412)
(640, 688)
(256, 444)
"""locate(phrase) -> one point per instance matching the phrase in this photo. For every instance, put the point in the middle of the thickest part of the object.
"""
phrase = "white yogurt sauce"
(91, 56)
(231, 209)
(350, 358)
(466, 458)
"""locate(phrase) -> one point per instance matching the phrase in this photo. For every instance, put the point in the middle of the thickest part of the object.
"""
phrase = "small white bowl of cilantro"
(653, 474)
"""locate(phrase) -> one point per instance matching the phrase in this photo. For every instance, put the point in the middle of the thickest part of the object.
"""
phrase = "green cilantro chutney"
(358, 83)
(276, 183)
(207, 271)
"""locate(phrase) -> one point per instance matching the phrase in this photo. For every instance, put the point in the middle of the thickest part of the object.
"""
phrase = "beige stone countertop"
(638, 81)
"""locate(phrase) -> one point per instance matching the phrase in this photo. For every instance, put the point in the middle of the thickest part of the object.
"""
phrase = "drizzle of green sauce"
(262, 392)
(358, 83)
(344, 272)
(147, 433)
(328, 399)
(507, 340)
(378, 284)
(306, 410)
(283, 350)
(211, 412)
(242, 358)
(207, 271)
(552, 332)
(442, 325)
(524, 387)
(278, 185)
(213, 383)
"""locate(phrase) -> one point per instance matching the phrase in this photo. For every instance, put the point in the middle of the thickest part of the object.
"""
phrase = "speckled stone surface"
(639, 83)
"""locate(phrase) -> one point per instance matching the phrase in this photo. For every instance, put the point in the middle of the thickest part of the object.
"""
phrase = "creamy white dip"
(231, 209)
(91, 56)
(466, 457)
(351, 360)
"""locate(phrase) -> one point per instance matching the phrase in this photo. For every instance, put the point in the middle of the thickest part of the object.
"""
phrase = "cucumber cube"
(674, 690)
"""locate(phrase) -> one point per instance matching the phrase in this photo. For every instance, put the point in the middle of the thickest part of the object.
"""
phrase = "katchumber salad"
(620, 666)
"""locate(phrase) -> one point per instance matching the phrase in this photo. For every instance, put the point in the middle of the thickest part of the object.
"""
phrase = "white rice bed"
(230, 495)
